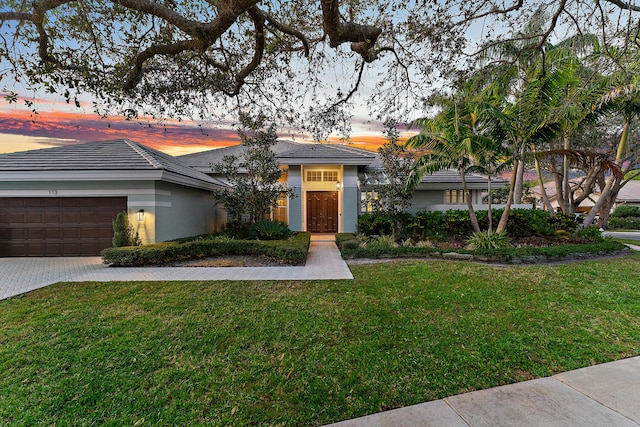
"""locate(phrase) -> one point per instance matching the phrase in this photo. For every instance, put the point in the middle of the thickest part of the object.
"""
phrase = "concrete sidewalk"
(21, 275)
(606, 395)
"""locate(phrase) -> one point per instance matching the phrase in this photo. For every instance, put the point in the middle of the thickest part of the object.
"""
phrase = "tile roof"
(329, 152)
(287, 151)
(113, 155)
(204, 159)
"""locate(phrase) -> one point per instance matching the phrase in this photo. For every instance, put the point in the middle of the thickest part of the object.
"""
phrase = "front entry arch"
(322, 211)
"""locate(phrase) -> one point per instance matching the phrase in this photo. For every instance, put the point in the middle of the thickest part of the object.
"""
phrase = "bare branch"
(624, 5)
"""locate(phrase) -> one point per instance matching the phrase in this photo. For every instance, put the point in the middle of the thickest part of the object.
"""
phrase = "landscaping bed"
(292, 251)
(532, 250)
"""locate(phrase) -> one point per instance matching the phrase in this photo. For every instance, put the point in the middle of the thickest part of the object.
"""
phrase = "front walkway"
(21, 275)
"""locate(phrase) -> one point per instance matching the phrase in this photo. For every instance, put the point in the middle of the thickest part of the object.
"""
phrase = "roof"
(327, 154)
(203, 160)
(288, 152)
(112, 155)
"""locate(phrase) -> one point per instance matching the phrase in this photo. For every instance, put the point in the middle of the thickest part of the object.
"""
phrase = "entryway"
(322, 211)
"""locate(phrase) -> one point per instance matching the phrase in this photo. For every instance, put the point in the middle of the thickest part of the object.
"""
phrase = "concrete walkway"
(21, 275)
(606, 395)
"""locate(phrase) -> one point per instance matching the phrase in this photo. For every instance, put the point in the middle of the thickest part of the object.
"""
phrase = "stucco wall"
(181, 211)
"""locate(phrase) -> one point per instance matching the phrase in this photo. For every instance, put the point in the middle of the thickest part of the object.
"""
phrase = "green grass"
(305, 353)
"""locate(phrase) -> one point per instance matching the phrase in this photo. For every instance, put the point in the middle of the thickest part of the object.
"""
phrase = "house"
(62, 201)
(629, 194)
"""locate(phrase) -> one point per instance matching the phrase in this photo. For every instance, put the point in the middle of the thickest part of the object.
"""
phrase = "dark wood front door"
(322, 211)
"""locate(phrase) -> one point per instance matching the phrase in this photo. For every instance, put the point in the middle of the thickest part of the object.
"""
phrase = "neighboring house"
(629, 194)
(62, 201)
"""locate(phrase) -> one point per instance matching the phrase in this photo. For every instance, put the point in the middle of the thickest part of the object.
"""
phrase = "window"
(314, 176)
(454, 197)
(368, 201)
(279, 213)
(322, 176)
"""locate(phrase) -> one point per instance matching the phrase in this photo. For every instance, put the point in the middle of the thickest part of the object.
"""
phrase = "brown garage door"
(57, 226)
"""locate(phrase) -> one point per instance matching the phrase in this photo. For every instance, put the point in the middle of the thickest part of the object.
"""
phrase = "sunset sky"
(57, 124)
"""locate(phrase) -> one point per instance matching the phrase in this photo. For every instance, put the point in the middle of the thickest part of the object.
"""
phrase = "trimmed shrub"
(550, 253)
(385, 223)
(626, 211)
(629, 223)
(290, 251)
(344, 237)
(427, 224)
(123, 234)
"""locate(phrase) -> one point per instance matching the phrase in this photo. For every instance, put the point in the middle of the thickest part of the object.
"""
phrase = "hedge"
(291, 251)
(626, 223)
(506, 255)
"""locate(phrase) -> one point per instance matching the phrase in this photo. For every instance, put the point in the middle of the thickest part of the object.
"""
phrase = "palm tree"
(451, 140)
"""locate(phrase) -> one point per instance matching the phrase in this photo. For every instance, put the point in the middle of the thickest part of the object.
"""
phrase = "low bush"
(269, 230)
(626, 211)
(290, 251)
(506, 255)
(627, 223)
(385, 223)
(344, 237)
(484, 240)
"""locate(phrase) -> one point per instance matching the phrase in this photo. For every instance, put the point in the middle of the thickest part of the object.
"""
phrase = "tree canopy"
(296, 58)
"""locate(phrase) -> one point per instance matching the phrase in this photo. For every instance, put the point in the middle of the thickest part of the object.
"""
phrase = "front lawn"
(305, 353)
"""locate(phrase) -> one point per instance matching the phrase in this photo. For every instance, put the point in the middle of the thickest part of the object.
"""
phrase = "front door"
(322, 211)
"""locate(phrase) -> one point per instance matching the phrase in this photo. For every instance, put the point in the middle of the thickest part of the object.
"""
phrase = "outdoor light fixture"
(338, 185)
(140, 215)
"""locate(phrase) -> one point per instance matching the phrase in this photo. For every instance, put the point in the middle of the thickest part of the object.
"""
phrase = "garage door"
(57, 226)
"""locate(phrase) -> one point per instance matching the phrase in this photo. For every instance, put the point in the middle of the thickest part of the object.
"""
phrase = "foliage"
(591, 233)
(382, 242)
(500, 194)
(254, 179)
(564, 222)
(455, 224)
(189, 58)
(487, 240)
(291, 251)
(269, 230)
(628, 223)
(500, 255)
(123, 234)
(341, 238)
(391, 181)
(625, 211)
(384, 223)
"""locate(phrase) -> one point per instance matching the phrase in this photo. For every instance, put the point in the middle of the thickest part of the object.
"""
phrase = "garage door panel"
(52, 233)
(57, 226)
(35, 233)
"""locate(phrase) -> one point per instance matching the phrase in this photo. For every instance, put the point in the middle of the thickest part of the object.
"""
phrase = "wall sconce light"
(338, 185)
(140, 215)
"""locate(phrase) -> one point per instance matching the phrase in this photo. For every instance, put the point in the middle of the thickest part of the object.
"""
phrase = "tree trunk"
(502, 225)
(565, 201)
(517, 189)
(608, 190)
(489, 213)
(467, 197)
(543, 191)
